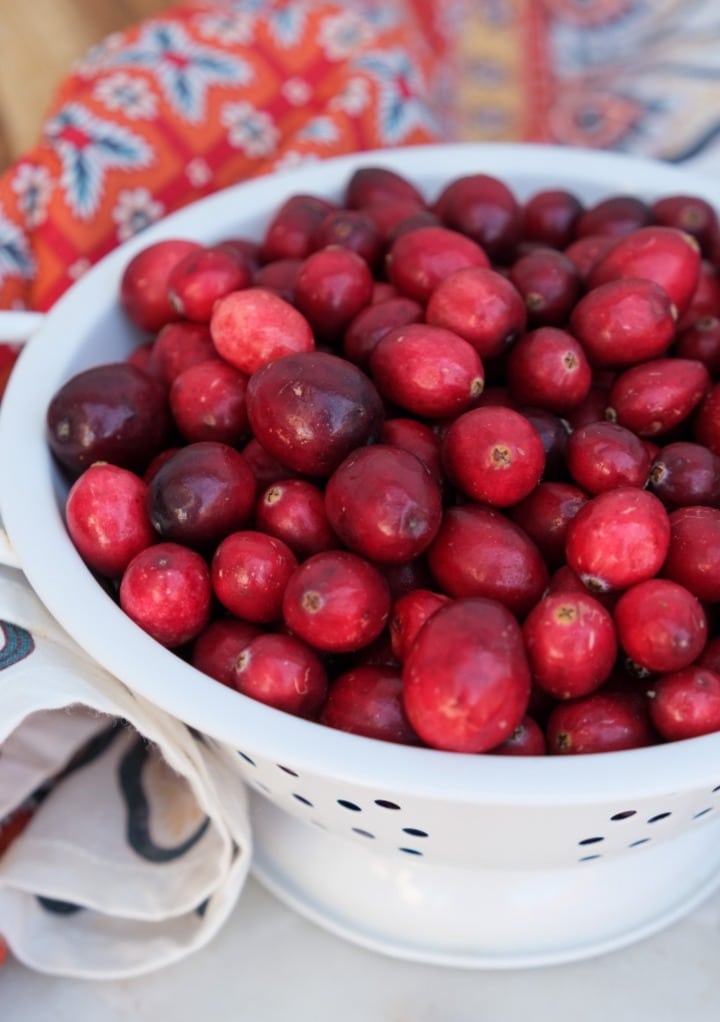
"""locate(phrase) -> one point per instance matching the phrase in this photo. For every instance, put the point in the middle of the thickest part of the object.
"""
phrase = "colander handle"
(16, 327)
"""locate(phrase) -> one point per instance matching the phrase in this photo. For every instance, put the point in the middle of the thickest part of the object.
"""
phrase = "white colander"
(463, 860)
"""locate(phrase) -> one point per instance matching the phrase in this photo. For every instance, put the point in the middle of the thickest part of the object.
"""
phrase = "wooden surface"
(39, 39)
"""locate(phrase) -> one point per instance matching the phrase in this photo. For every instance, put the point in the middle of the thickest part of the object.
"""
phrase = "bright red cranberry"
(367, 700)
(283, 672)
(372, 323)
(165, 589)
(207, 402)
(493, 455)
(548, 367)
(602, 456)
(289, 234)
(479, 551)
(427, 370)
(693, 559)
(485, 209)
(201, 494)
(328, 408)
(652, 398)
(686, 703)
(201, 277)
(571, 644)
(544, 515)
(685, 473)
(409, 613)
(249, 572)
(351, 229)
(279, 277)
(251, 328)
(419, 439)
(177, 347)
(661, 625)
(143, 286)
(618, 538)
(549, 284)
(370, 185)
(549, 217)
(687, 213)
(466, 680)
(614, 217)
(706, 426)
(482, 306)
(622, 322)
(113, 412)
(599, 722)
(294, 511)
(106, 516)
(216, 649)
(332, 286)
(336, 601)
(701, 341)
(417, 261)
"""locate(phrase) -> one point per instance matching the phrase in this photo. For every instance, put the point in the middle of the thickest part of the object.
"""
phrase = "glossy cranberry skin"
(686, 703)
(289, 234)
(201, 494)
(661, 625)
(544, 515)
(693, 558)
(409, 613)
(283, 672)
(144, 283)
(165, 589)
(419, 260)
(249, 572)
(623, 322)
(701, 341)
(652, 398)
(264, 467)
(106, 516)
(367, 700)
(294, 511)
(177, 347)
(688, 213)
(685, 473)
(252, 327)
(550, 217)
(215, 650)
(278, 276)
(602, 456)
(372, 323)
(113, 412)
(549, 284)
(428, 371)
(614, 217)
(618, 538)
(328, 408)
(332, 286)
(553, 432)
(466, 680)
(383, 504)
(203, 276)
(336, 601)
(584, 252)
(599, 722)
(706, 427)
(479, 551)
(481, 306)
(548, 367)
(571, 644)
(528, 739)
(493, 455)
(485, 209)
(419, 439)
(351, 229)
(374, 184)
(207, 402)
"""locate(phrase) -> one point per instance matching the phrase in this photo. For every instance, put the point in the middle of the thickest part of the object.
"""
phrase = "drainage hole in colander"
(589, 858)
(287, 770)
(301, 798)
(659, 816)
(590, 840)
(414, 832)
(363, 833)
(410, 851)
(624, 815)
(244, 755)
(702, 812)
(640, 841)
(716, 789)
(384, 804)
(352, 806)
(261, 787)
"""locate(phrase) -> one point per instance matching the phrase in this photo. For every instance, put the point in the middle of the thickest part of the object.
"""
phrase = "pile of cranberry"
(435, 470)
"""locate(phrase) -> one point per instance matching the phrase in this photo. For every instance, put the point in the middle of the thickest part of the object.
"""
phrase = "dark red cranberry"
(294, 511)
(549, 284)
(685, 473)
(289, 234)
(201, 277)
(686, 703)
(599, 722)
(602, 456)
(283, 672)
(550, 216)
(215, 650)
(362, 334)
(693, 558)
(485, 209)
(367, 700)
(144, 283)
(545, 513)
(614, 216)
(417, 261)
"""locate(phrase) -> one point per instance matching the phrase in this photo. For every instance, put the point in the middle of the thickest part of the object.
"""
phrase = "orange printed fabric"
(202, 97)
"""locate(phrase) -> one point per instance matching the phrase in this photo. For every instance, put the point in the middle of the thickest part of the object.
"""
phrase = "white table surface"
(270, 965)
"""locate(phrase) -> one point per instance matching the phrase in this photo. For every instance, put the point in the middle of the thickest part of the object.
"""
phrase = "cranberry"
(106, 516)
(372, 323)
(293, 510)
(661, 625)
(333, 285)
(466, 680)
(706, 297)
(482, 306)
(252, 327)
(591, 409)
(485, 209)
(289, 234)
(279, 277)
(336, 601)
(684, 473)
(283, 672)
(687, 213)
(565, 580)
(571, 644)
(479, 551)
(599, 722)
(553, 432)
(405, 576)
(201, 494)
(623, 322)
(618, 538)
(584, 252)
(409, 613)
(367, 700)
(701, 341)
(549, 284)
(370, 185)
(693, 558)
(427, 370)
(550, 217)
(203, 276)
(707, 420)
(215, 650)
(207, 402)
(686, 703)
(419, 260)
(548, 367)
(493, 455)
(383, 504)
(112, 412)
(177, 347)
(710, 656)
(419, 439)
(351, 229)
(602, 456)
(249, 572)
(165, 589)
(328, 408)
(614, 217)
(528, 739)
(544, 515)
(144, 283)
(652, 398)
(263, 466)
